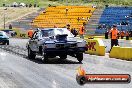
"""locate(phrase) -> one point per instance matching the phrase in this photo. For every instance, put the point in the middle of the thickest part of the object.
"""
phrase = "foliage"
(44, 3)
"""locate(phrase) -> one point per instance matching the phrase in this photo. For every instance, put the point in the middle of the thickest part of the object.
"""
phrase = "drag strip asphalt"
(17, 71)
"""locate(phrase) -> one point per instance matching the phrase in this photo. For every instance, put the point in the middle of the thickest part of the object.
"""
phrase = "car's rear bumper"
(64, 50)
(3, 41)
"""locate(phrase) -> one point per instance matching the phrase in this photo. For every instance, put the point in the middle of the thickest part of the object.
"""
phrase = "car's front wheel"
(79, 56)
(31, 54)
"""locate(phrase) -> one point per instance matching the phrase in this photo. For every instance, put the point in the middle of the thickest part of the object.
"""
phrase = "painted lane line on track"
(3, 55)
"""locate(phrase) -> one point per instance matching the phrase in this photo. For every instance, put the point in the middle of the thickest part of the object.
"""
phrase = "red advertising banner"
(83, 78)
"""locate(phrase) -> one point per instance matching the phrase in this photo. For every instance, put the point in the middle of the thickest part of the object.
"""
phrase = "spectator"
(122, 34)
(35, 5)
(26, 5)
(89, 11)
(49, 5)
(74, 32)
(93, 6)
(4, 5)
(66, 11)
(78, 19)
(114, 36)
(15, 33)
(106, 34)
(30, 5)
(130, 34)
(10, 26)
(82, 30)
(126, 23)
(30, 33)
(22, 35)
(87, 18)
(99, 26)
(127, 35)
(68, 27)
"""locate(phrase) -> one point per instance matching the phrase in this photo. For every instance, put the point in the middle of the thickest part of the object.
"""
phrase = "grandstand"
(63, 15)
(116, 15)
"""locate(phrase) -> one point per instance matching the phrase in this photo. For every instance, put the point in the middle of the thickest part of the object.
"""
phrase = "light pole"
(66, 2)
(4, 16)
(35, 2)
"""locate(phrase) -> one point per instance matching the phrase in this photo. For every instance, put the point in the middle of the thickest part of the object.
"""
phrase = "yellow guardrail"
(95, 47)
(121, 53)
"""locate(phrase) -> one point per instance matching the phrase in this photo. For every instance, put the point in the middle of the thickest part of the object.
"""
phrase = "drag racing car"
(4, 39)
(52, 42)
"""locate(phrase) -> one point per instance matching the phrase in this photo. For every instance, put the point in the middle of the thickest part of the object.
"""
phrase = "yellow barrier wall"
(121, 53)
(95, 47)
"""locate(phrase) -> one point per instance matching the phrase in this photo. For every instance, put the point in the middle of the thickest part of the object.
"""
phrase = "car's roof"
(4, 33)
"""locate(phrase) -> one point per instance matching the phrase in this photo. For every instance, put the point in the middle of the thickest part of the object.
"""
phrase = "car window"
(47, 33)
(54, 32)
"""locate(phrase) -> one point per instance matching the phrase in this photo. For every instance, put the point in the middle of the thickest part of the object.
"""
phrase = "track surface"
(17, 71)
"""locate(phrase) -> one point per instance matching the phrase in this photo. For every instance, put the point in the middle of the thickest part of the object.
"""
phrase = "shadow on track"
(53, 61)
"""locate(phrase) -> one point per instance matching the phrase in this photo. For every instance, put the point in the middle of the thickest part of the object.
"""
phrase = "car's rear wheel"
(45, 60)
(31, 54)
(7, 43)
(79, 57)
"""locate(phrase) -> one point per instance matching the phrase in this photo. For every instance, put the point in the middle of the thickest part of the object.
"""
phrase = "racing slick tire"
(79, 57)
(31, 54)
(45, 60)
(7, 43)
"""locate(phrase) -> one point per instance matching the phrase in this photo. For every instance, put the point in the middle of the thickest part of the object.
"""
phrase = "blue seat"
(115, 15)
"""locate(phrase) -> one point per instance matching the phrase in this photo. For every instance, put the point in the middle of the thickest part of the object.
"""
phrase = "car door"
(34, 41)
